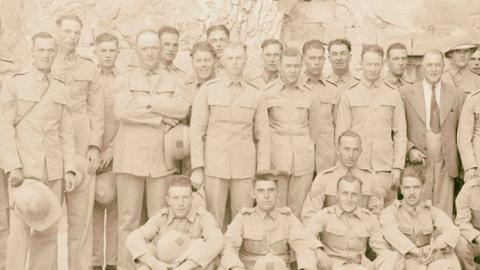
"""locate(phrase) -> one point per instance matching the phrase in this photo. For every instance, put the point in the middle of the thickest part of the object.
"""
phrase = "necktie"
(434, 113)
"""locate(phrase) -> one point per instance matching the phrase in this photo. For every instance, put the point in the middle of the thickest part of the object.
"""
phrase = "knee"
(464, 248)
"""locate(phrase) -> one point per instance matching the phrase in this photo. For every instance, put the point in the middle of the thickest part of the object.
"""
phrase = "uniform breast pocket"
(55, 107)
(277, 110)
(302, 110)
(335, 236)
(360, 111)
(220, 109)
(244, 111)
(279, 247)
(385, 111)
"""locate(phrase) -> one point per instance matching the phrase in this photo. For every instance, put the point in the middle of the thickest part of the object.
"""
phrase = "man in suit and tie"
(433, 108)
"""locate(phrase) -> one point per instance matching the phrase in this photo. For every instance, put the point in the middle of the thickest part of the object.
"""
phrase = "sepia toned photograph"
(239, 135)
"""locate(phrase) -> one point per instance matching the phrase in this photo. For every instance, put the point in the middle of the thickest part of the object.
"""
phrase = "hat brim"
(103, 196)
(460, 47)
(172, 152)
(81, 176)
(54, 205)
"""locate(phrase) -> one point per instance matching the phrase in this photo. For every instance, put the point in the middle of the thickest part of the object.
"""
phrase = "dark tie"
(434, 113)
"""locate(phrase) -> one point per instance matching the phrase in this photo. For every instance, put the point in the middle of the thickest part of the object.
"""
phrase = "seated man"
(422, 234)
(180, 216)
(266, 229)
(344, 230)
(468, 220)
(324, 188)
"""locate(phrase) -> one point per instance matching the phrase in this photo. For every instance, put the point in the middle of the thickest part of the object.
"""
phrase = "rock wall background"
(420, 24)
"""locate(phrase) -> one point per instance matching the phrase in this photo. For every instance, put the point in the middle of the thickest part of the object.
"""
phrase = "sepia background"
(420, 24)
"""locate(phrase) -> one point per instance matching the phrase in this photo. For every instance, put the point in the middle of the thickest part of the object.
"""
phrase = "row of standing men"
(235, 129)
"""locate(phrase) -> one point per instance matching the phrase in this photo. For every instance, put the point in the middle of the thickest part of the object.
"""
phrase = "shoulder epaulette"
(252, 85)
(164, 211)
(247, 210)
(212, 81)
(284, 210)
(21, 72)
(270, 85)
(329, 170)
(58, 79)
(307, 86)
(85, 58)
(474, 93)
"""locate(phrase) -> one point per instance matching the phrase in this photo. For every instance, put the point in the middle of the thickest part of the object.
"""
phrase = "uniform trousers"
(292, 191)
(80, 225)
(446, 262)
(105, 230)
(3, 219)
(385, 181)
(466, 252)
(131, 190)
(386, 261)
(438, 185)
(217, 191)
(39, 247)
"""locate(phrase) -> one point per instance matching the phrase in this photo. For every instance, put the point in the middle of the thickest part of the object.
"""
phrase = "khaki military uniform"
(197, 224)
(395, 83)
(377, 114)
(264, 80)
(230, 139)
(139, 156)
(405, 227)
(106, 82)
(292, 149)
(254, 233)
(7, 68)
(468, 135)
(322, 120)
(344, 237)
(342, 83)
(324, 190)
(465, 79)
(39, 140)
(86, 104)
(468, 220)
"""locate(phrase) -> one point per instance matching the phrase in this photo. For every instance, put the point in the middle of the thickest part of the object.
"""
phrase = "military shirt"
(464, 79)
(198, 223)
(264, 80)
(344, 236)
(377, 114)
(229, 129)
(86, 102)
(406, 227)
(322, 119)
(254, 233)
(139, 144)
(468, 210)
(323, 192)
(468, 135)
(289, 109)
(37, 126)
(342, 83)
(395, 83)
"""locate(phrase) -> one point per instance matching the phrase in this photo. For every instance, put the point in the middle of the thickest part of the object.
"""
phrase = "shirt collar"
(456, 71)
(112, 71)
(150, 71)
(284, 86)
(390, 78)
(267, 77)
(190, 215)
(229, 82)
(70, 57)
(427, 85)
(263, 215)
(38, 75)
(339, 78)
(414, 210)
(304, 78)
(370, 85)
(339, 212)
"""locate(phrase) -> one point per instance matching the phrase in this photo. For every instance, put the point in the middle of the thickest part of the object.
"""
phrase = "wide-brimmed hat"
(173, 247)
(465, 45)
(82, 178)
(36, 205)
(270, 262)
(105, 188)
(177, 144)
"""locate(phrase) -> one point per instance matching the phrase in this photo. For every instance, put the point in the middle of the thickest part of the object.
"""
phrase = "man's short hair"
(396, 46)
(70, 17)
(271, 41)
(271, 175)
(349, 133)
(340, 41)
(146, 31)
(315, 44)
(179, 181)
(413, 171)
(167, 29)
(203, 46)
(434, 51)
(44, 35)
(218, 27)
(373, 48)
(235, 44)
(349, 179)
(106, 37)
(291, 52)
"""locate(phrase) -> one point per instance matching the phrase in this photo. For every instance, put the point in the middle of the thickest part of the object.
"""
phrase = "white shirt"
(427, 93)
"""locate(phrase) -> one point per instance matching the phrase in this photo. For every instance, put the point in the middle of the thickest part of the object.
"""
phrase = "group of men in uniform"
(255, 147)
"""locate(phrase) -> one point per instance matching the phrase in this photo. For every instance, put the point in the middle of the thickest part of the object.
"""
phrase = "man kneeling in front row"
(180, 236)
